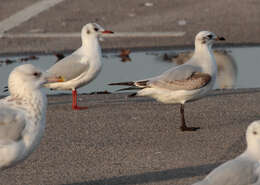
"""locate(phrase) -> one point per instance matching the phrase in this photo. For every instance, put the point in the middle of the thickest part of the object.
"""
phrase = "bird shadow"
(149, 177)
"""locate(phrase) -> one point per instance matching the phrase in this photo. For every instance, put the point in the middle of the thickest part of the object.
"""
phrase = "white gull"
(244, 169)
(82, 66)
(22, 114)
(186, 82)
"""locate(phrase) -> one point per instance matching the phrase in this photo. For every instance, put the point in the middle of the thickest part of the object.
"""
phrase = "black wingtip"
(123, 83)
(132, 95)
(5, 89)
(129, 89)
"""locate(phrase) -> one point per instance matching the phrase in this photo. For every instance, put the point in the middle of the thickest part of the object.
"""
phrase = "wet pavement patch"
(238, 67)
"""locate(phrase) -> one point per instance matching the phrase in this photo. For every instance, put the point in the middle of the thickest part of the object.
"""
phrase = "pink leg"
(74, 101)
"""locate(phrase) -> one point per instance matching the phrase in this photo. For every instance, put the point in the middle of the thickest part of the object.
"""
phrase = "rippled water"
(238, 67)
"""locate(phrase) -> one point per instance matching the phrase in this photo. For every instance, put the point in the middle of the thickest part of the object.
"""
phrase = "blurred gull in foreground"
(186, 82)
(22, 114)
(244, 169)
(82, 66)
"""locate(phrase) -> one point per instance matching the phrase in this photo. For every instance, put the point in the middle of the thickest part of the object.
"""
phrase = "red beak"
(107, 31)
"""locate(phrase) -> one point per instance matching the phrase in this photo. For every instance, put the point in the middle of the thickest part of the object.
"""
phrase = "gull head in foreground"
(183, 83)
(242, 170)
(82, 66)
(22, 114)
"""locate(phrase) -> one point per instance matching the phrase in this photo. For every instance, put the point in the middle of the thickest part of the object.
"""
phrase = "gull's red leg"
(74, 101)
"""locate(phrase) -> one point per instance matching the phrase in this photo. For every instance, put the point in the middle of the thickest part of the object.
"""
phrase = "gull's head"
(25, 78)
(253, 135)
(207, 38)
(93, 29)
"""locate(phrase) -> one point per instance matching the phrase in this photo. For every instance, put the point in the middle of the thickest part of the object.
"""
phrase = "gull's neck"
(253, 150)
(32, 100)
(202, 48)
(90, 46)
(203, 56)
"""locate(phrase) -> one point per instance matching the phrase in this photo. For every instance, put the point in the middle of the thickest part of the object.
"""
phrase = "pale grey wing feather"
(181, 72)
(12, 124)
(235, 172)
(69, 68)
(185, 77)
(257, 173)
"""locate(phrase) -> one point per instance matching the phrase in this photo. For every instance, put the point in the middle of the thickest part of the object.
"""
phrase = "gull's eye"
(96, 29)
(210, 36)
(37, 74)
(255, 132)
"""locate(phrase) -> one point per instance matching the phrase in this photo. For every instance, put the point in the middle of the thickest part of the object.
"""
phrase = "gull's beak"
(107, 32)
(54, 79)
(220, 38)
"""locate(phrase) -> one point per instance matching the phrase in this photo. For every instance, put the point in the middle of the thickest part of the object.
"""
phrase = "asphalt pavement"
(119, 140)
(123, 141)
(237, 20)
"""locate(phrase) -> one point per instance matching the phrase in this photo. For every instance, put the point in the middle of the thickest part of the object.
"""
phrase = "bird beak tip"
(107, 32)
(220, 38)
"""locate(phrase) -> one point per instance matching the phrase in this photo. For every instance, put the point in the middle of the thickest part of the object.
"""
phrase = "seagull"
(22, 114)
(244, 169)
(82, 66)
(183, 83)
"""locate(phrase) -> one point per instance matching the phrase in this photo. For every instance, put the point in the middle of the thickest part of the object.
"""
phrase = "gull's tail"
(133, 86)
(129, 88)
(124, 83)
(140, 84)
(5, 89)
(132, 95)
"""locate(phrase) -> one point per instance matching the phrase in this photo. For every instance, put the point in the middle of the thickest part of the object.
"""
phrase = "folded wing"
(12, 124)
(69, 67)
(185, 77)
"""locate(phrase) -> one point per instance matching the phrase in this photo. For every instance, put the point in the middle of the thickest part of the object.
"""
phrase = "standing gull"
(186, 82)
(22, 114)
(82, 66)
(244, 169)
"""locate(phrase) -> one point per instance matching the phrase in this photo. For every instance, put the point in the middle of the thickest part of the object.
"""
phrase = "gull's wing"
(70, 67)
(184, 77)
(257, 173)
(12, 124)
(234, 172)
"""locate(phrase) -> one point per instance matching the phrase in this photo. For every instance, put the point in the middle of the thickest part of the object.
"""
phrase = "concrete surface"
(121, 141)
(136, 141)
(237, 20)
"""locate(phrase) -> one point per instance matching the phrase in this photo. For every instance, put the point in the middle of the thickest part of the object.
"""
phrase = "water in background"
(238, 67)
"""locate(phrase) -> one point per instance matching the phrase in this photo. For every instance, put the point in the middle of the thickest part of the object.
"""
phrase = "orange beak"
(107, 32)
